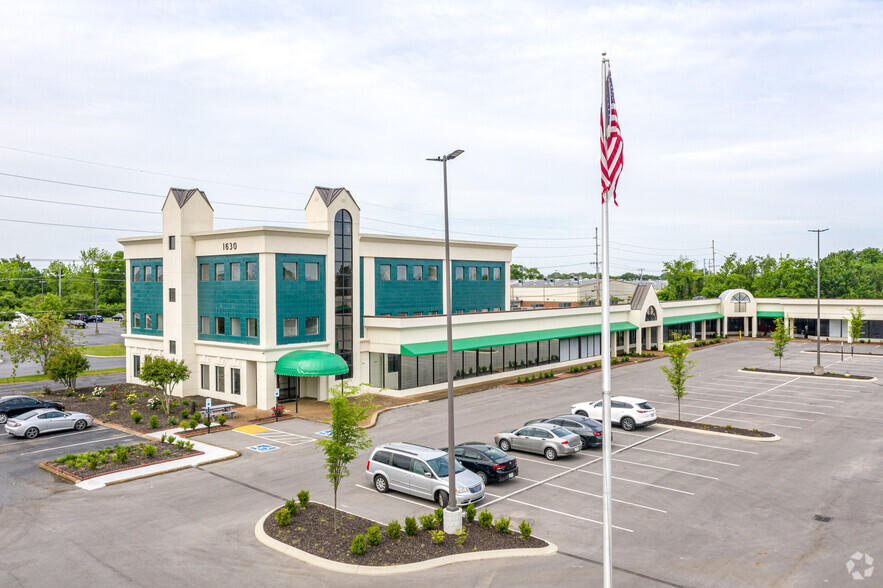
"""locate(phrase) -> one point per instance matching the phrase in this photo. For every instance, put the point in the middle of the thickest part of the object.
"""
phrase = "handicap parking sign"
(325, 433)
(263, 448)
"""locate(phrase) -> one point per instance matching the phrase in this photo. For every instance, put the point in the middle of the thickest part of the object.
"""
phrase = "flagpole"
(605, 354)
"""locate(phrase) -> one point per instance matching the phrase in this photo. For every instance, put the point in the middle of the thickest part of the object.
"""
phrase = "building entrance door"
(289, 387)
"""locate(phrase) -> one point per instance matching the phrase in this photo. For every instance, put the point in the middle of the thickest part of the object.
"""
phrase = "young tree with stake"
(781, 338)
(855, 326)
(678, 371)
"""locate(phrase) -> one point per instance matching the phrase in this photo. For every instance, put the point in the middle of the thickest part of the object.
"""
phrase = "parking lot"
(689, 508)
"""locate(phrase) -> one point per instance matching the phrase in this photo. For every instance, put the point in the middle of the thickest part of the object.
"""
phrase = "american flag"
(611, 143)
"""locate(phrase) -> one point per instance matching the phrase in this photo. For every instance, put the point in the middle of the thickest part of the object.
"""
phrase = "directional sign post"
(208, 415)
(276, 412)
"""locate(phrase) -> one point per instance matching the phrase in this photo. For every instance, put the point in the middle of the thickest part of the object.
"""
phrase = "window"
(204, 383)
(159, 273)
(311, 271)
(433, 273)
(289, 327)
(401, 461)
(148, 273)
(401, 273)
(651, 314)
(417, 273)
(173, 347)
(235, 272)
(485, 274)
(136, 273)
(219, 272)
(385, 272)
(251, 270)
(289, 271)
(458, 273)
(203, 325)
(382, 457)
(236, 327)
(473, 274)
(251, 327)
(159, 322)
(219, 378)
(219, 325)
(148, 320)
(203, 272)
(136, 366)
(497, 273)
(312, 327)
(171, 242)
(740, 301)
(234, 381)
(136, 320)
(171, 294)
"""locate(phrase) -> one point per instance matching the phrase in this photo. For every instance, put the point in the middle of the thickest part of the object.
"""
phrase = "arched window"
(651, 314)
(740, 302)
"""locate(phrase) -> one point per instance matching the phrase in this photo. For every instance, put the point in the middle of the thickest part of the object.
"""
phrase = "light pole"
(453, 520)
(818, 370)
(96, 305)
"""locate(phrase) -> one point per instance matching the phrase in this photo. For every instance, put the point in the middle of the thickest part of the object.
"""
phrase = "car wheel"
(381, 484)
(80, 425)
(442, 498)
(550, 454)
(584, 443)
(504, 445)
(483, 477)
(32, 433)
(2, 418)
(627, 424)
(582, 413)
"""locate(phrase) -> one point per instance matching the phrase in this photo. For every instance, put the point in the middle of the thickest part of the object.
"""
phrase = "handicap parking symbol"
(263, 448)
(325, 433)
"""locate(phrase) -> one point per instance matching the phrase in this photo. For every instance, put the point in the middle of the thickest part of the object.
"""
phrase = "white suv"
(626, 411)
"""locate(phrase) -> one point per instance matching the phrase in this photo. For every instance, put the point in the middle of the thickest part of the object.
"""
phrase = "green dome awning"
(311, 363)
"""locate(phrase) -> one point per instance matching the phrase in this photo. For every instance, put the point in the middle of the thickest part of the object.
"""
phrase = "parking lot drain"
(821, 518)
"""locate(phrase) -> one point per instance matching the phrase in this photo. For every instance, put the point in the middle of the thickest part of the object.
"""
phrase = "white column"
(703, 330)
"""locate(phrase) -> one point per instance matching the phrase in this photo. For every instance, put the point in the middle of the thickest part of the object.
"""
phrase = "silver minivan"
(420, 471)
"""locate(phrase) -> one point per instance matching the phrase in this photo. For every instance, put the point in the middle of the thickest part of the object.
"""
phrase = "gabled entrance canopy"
(311, 363)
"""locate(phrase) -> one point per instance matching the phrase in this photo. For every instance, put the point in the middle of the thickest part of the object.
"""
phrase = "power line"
(11, 220)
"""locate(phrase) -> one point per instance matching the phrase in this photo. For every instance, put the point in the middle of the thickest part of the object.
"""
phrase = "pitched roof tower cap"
(182, 196)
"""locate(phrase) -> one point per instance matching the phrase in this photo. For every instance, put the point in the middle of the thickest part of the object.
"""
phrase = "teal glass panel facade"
(147, 297)
(477, 295)
(229, 299)
(361, 297)
(300, 298)
(395, 297)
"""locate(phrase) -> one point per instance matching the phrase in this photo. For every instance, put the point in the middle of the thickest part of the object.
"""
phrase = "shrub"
(372, 535)
(193, 423)
(113, 406)
(461, 536)
(437, 537)
(121, 455)
(485, 518)
(358, 546)
(136, 416)
(82, 398)
(283, 517)
(180, 443)
(525, 529)
(197, 416)
(154, 403)
(185, 414)
(131, 398)
(207, 421)
(221, 420)
(92, 463)
(427, 521)
(410, 526)
(518, 380)
(303, 497)
(292, 507)
(149, 450)
(173, 421)
(98, 391)
(470, 513)
(167, 452)
(440, 516)
(502, 525)
(393, 529)
(153, 421)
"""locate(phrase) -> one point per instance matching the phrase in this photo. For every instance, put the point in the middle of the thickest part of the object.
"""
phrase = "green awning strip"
(433, 347)
(770, 314)
(691, 318)
(311, 363)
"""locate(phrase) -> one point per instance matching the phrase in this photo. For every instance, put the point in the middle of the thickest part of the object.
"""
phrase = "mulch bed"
(825, 375)
(312, 530)
(717, 428)
(136, 460)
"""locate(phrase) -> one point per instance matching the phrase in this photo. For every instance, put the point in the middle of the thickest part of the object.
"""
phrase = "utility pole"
(641, 272)
(713, 263)
(818, 369)
(59, 284)
(597, 288)
(42, 290)
(96, 305)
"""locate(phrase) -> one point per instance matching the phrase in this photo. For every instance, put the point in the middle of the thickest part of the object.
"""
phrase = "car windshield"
(645, 406)
(440, 466)
(494, 453)
(560, 431)
(27, 415)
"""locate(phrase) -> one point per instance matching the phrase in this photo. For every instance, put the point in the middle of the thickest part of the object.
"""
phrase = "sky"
(744, 123)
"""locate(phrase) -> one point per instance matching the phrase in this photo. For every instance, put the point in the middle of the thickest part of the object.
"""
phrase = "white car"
(46, 420)
(626, 411)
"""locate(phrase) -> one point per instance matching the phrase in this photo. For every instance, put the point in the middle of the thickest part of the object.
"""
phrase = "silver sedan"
(46, 420)
(543, 438)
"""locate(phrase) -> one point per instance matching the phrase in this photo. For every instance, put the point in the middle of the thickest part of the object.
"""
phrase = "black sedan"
(589, 430)
(77, 324)
(488, 462)
(95, 318)
(11, 406)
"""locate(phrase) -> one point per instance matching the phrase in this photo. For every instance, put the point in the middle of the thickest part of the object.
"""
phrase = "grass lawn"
(114, 350)
(38, 377)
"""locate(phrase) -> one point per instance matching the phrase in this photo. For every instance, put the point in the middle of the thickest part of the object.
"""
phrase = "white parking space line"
(732, 420)
(641, 483)
(799, 403)
(548, 463)
(599, 496)
(692, 393)
(568, 514)
(60, 435)
(775, 416)
(389, 495)
(647, 465)
(279, 437)
(735, 465)
(704, 445)
(737, 403)
(74, 445)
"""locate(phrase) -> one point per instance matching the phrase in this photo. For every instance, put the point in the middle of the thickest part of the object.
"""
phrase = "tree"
(519, 272)
(66, 365)
(684, 280)
(781, 338)
(855, 325)
(347, 437)
(37, 340)
(164, 374)
(678, 371)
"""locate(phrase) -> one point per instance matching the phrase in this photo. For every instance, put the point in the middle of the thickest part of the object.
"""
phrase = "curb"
(719, 434)
(843, 378)
(344, 568)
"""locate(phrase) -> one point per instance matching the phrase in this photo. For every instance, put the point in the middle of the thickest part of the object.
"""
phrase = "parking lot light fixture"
(818, 369)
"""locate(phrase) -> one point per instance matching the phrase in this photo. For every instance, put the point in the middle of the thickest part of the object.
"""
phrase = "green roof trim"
(770, 314)
(311, 363)
(691, 318)
(466, 344)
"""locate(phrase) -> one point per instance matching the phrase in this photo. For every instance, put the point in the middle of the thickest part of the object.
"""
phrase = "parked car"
(487, 461)
(589, 430)
(12, 406)
(80, 316)
(549, 440)
(420, 471)
(118, 316)
(95, 318)
(625, 411)
(46, 420)
(77, 324)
